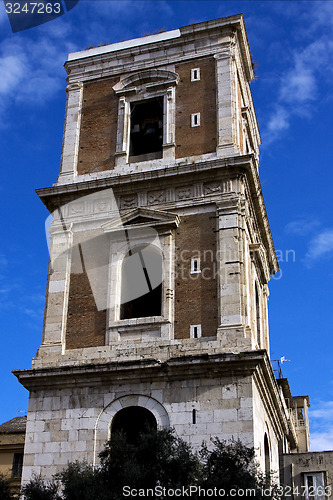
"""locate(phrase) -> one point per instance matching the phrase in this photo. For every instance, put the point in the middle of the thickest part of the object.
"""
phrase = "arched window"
(133, 421)
(141, 283)
(258, 315)
(267, 458)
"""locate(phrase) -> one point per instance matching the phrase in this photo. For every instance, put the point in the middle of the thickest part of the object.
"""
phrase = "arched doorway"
(133, 421)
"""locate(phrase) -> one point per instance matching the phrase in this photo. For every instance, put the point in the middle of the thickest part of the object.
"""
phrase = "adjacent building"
(12, 437)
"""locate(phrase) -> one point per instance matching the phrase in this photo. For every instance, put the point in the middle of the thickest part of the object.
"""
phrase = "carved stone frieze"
(217, 187)
(156, 197)
(184, 193)
(130, 201)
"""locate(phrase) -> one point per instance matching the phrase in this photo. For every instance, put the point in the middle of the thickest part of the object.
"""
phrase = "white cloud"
(298, 85)
(12, 70)
(323, 410)
(278, 122)
(301, 84)
(301, 226)
(321, 441)
(321, 245)
(31, 68)
(321, 420)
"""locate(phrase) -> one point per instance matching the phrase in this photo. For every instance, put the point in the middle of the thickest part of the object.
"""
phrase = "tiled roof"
(14, 426)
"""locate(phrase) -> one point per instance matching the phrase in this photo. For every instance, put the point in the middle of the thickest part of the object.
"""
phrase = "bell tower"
(160, 255)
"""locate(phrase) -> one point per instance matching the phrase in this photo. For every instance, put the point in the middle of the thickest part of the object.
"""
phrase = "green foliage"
(4, 489)
(230, 466)
(38, 489)
(158, 458)
(81, 482)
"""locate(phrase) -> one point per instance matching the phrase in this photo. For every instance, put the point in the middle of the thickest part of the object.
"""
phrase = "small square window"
(195, 266)
(195, 74)
(195, 120)
(195, 331)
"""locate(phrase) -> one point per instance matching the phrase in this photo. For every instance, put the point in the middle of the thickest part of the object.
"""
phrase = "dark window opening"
(195, 265)
(267, 459)
(194, 416)
(133, 421)
(195, 332)
(258, 316)
(141, 284)
(17, 465)
(147, 129)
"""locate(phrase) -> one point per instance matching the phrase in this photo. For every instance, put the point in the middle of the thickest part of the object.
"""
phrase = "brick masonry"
(98, 133)
(196, 294)
(196, 97)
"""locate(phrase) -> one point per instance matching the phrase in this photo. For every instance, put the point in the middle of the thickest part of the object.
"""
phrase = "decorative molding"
(258, 255)
(74, 86)
(146, 80)
(150, 218)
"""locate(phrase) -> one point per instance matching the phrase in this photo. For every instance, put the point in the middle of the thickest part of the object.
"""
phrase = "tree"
(158, 459)
(232, 467)
(4, 489)
(38, 489)
(81, 481)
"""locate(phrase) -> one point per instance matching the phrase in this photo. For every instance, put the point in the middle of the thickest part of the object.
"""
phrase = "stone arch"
(107, 414)
(132, 421)
(146, 77)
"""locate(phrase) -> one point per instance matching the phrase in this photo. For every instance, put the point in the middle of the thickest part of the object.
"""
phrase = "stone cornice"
(104, 61)
(250, 363)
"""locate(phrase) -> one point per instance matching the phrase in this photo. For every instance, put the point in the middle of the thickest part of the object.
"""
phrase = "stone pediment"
(141, 217)
(147, 79)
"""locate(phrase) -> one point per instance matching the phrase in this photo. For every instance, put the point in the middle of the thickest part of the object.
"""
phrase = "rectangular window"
(195, 266)
(17, 465)
(195, 74)
(314, 486)
(146, 132)
(195, 120)
(195, 331)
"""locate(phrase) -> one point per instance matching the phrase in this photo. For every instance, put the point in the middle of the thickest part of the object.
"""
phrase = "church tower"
(160, 256)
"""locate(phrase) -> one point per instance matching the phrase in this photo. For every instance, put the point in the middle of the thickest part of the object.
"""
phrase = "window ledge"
(138, 322)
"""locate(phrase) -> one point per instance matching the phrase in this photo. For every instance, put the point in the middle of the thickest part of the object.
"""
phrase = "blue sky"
(292, 46)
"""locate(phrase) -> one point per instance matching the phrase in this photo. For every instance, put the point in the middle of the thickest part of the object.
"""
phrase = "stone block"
(245, 413)
(229, 415)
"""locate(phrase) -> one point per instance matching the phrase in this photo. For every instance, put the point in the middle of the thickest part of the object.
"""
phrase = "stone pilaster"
(71, 135)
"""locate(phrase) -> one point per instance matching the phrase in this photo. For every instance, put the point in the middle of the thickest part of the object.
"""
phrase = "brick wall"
(86, 325)
(196, 294)
(98, 133)
(196, 97)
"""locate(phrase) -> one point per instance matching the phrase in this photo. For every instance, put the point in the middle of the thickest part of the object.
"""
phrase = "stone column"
(226, 102)
(123, 131)
(232, 319)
